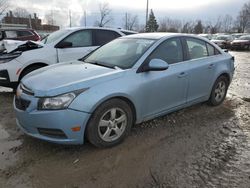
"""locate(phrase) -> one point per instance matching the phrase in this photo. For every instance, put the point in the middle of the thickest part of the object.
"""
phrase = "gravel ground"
(200, 146)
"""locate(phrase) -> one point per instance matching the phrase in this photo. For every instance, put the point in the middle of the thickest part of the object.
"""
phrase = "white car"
(63, 45)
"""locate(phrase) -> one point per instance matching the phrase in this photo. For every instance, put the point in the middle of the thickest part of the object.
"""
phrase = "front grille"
(21, 104)
(53, 133)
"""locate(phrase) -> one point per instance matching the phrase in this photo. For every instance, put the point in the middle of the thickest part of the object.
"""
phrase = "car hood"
(218, 41)
(240, 41)
(65, 77)
(14, 45)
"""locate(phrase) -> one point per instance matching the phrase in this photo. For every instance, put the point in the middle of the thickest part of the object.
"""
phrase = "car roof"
(99, 28)
(158, 35)
(16, 29)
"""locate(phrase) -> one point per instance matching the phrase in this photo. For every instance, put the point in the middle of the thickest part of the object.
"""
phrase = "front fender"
(89, 100)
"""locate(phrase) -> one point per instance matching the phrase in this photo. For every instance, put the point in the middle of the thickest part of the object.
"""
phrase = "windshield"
(244, 38)
(54, 36)
(122, 53)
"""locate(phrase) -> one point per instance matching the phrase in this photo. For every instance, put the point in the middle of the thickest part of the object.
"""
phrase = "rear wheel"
(219, 91)
(110, 123)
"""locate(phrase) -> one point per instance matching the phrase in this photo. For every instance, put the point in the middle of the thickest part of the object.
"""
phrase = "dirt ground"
(200, 146)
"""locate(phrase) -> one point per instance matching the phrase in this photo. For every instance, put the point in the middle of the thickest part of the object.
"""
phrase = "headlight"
(4, 58)
(56, 103)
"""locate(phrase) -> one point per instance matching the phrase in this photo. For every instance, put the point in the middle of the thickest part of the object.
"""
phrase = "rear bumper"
(240, 46)
(5, 80)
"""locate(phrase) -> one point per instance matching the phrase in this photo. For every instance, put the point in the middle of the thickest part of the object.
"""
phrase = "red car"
(242, 43)
(19, 34)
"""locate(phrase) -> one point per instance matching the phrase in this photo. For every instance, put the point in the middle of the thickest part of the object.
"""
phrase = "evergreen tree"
(198, 28)
(152, 25)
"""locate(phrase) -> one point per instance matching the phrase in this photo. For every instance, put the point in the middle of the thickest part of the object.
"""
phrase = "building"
(30, 22)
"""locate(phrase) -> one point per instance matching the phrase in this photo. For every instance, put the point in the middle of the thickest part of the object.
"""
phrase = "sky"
(207, 10)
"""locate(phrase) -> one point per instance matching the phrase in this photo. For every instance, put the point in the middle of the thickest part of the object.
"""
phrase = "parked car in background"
(19, 34)
(63, 45)
(238, 35)
(242, 43)
(207, 36)
(129, 80)
(223, 41)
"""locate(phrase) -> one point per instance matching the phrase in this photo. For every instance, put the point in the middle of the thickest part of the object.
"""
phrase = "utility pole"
(85, 18)
(70, 18)
(126, 22)
(52, 17)
(146, 14)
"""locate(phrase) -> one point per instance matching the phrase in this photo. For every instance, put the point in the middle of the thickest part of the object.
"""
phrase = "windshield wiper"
(101, 64)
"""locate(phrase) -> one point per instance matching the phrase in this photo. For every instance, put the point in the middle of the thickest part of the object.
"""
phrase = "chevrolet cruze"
(127, 81)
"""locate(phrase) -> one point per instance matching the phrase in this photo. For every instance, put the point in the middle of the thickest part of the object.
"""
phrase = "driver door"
(164, 90)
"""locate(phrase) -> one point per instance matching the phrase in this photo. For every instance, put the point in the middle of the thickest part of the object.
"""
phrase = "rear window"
(24, 33)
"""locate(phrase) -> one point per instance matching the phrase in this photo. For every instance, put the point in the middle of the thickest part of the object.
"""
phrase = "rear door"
(82, 44)
(201, 63)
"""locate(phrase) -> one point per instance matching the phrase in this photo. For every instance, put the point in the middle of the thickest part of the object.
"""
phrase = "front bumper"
(5, 80)
(33, 121)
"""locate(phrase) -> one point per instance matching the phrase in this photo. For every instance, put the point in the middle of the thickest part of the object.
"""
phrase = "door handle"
(211, 66)
(182, 74)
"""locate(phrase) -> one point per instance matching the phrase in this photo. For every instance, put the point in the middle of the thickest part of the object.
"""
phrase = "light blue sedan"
(127, 81)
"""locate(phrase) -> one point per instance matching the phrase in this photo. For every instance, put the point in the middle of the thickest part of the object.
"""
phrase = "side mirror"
(155, 65)
(64, 44)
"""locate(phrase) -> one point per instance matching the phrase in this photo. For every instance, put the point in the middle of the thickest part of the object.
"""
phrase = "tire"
(105, 129)
(219, 91)
(28, 70)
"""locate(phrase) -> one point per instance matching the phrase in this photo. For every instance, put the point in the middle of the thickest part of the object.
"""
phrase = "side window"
(169, 51)
(24, 33)
(196, 48)
(210, 49)
(80, 38)
(104, 36)
(11, 34)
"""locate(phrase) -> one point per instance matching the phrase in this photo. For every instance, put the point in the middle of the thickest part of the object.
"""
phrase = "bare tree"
(105, 15)
(243, 19)
(227, 23)
(188, 27)
(3, 6)
(130, 22)
(49, 18)
(215, 27)
(21, 12)
(170, 25)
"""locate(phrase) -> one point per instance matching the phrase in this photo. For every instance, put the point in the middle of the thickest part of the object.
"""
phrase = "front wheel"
(219, 91)
(110, 123)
